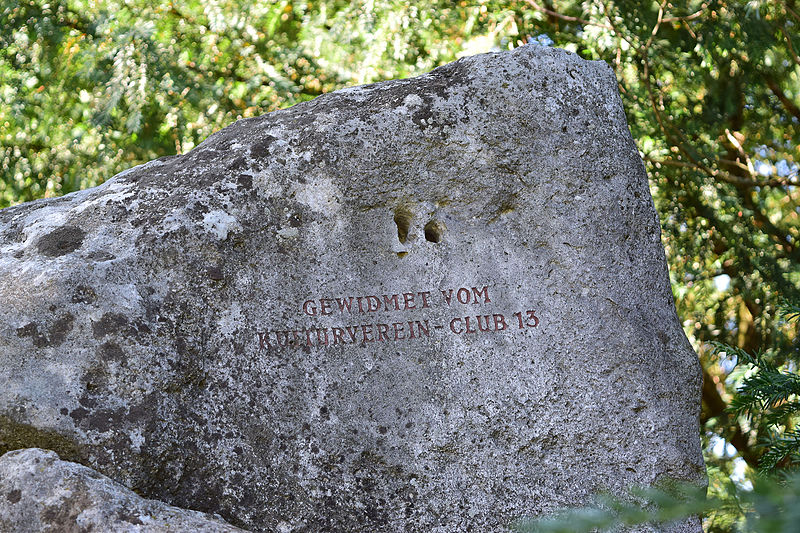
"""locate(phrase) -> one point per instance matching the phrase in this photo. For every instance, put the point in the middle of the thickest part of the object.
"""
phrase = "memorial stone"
(429, 305)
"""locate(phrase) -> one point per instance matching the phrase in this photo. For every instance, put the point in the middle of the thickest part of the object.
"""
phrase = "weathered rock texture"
(264, 327)
(39, 492)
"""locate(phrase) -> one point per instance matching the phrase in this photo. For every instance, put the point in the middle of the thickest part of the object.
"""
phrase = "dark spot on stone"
(141, 327)
(103, 420)
(215, 273)
(64, 411)
(294, 221)
(245, 182)
(108, 324)
(382, 430)
(95, 378)
(63, 515)
(111, 351)
(87, 402)
(139, 412)
(61, 241)
(180, 346)
(14, 496)
(60, 328)
(99, 256)
(58, 332)
(261, 148)
(237, 164)
(200, 208)
(31, 329)
(201, 155)
(83, 295)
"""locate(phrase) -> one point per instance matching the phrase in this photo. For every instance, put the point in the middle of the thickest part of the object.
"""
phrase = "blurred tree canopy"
(711, 90)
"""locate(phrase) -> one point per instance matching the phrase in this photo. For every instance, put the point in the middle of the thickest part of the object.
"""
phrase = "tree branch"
(791, 48)
(693, 16)
(726, 176)
(715, 407)
(568, 18)
(790, 106)
(656, 27)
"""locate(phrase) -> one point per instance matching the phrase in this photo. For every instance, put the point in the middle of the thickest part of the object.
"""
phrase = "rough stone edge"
(40, 492)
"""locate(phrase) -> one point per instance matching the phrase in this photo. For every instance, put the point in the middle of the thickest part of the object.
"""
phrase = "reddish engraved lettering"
(338, 335)
(467, 323)
(448, 296)
(424, 295)
(345, 303)
(413, 327)
(351, 330)
(531, 320)
(367, 330)
(463, 295)
(285, 342)
(483, 327)
(325, 306)
(296, 338)
(373, 300)
(320, 340)
(477, 294)
(387, 300)
(398, 331)
(466, 295)
(485, 324)
(263, 340)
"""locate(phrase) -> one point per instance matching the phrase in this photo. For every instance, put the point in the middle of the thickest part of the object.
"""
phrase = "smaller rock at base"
(40, 492)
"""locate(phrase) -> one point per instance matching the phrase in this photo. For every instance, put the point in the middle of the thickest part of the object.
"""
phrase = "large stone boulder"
(39, 492)
(434, 304)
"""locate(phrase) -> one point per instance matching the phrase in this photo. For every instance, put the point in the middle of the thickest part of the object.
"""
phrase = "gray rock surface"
(434, 304)
(39, 492)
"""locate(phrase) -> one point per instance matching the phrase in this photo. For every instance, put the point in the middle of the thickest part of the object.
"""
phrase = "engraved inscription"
(352, 306)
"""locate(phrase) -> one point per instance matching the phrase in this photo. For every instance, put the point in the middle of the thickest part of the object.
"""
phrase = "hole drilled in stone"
(402, 217)
(433, 231)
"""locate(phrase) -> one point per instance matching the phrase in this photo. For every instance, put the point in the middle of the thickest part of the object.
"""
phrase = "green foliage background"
(711, 89)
